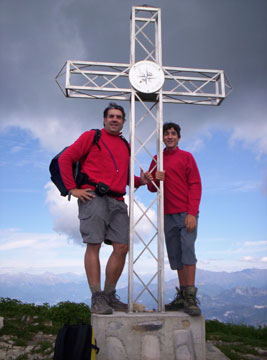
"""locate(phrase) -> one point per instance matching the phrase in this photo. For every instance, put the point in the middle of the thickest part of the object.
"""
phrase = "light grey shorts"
(180, 243)
(104, 219)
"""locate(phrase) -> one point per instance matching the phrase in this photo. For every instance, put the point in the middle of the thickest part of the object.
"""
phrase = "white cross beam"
(146, 84)
(110, 81)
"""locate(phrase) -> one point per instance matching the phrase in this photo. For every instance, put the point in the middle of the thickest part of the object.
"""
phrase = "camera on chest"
(101, 188)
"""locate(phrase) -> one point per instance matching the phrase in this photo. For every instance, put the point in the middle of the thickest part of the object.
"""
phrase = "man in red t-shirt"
(182, 194)
(102, 212)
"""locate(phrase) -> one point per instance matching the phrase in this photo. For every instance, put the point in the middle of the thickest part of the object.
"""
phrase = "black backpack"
(76, 167)
(75, 342)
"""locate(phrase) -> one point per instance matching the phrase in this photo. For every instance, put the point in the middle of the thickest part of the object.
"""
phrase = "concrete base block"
(150, 336)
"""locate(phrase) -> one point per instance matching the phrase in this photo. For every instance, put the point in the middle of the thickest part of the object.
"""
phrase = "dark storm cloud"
(39, 36)
(34, 44)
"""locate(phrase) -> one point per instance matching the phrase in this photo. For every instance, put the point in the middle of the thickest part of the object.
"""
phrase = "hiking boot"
(177, 303)
(99, 304)
(114, 301)
(191, 302)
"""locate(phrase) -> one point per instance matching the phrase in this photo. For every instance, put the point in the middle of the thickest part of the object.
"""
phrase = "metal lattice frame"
(146, 45)
(109, 81)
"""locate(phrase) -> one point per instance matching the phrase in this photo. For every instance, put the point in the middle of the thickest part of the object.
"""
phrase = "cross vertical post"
(146, 33)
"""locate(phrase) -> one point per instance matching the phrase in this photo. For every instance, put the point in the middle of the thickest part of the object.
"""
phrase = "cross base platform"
(150, 336)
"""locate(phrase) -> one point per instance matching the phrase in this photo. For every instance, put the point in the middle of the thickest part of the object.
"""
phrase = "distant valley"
(238, 297)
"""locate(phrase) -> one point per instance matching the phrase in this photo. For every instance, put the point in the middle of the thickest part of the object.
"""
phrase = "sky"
(39, 228)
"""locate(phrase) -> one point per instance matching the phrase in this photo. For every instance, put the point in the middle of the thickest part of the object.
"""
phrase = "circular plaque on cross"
(146, 76)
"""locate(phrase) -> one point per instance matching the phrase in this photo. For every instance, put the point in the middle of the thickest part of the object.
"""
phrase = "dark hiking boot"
(99, 304)
(191, 302)
(177, 303)
(114, 301)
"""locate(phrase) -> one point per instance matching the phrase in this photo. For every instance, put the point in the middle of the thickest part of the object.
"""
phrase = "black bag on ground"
(75, 342)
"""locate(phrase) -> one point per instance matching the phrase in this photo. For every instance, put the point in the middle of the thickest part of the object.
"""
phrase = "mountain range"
(238, 297)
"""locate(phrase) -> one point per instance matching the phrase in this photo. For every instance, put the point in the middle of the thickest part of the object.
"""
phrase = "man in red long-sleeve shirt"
(102, 212)
(182, 194)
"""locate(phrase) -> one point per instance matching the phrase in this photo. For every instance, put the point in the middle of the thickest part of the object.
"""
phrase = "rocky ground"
(213, 353)
(41, 347)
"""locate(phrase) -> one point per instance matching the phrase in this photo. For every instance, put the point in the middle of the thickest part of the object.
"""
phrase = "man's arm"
(71, 155)
(144, 179)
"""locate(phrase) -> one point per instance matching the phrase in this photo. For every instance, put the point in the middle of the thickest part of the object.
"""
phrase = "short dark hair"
(114, 106)
(169, 125)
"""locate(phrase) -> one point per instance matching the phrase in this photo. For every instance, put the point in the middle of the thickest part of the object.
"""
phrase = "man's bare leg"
(92, 264)
(188, 290)
(116, 263)
(187, 275)
(99, 303)
(114, 269)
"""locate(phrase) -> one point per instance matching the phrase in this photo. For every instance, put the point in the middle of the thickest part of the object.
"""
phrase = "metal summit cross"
(146, 84)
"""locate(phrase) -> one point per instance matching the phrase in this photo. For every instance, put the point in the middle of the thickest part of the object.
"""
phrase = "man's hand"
(160, 175)
(190, 222)
(83, 194)
(145, 178)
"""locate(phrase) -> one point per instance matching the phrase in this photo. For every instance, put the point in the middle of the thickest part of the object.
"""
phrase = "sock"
(94, 288)
(109, 288)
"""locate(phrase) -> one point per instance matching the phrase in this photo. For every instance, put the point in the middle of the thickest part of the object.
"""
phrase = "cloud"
(229, 265)
(52, 132)
(243, 186)
(64, 212)
(17, 244)
(232, 257)
(255, 243)
(14, 239)
(255, 260)
(55, 32)
(248, 259)
(66, 221)
(252, 130)
(195, 145)
(38, 252)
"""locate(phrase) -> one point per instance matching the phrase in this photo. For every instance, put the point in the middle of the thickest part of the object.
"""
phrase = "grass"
(23, 321)
(234, 340)
(35, 317)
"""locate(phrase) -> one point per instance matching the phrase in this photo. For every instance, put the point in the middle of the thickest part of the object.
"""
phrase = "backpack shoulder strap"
(95, 142)
(126, 143)
(97, 137)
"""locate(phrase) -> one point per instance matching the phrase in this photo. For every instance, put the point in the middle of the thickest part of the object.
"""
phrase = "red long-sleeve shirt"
(109, 164)
(182, 184)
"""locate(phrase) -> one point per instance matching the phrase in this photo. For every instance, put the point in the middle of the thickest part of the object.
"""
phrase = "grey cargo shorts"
(104, 219)
(180, 243)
